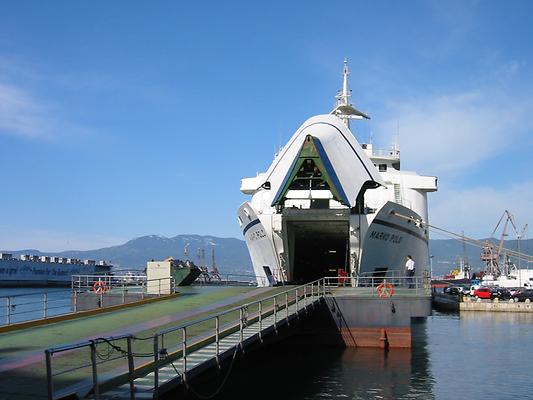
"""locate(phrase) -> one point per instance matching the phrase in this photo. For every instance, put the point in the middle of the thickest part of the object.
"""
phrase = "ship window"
(246, 213)
(382, 167)
(240, 221)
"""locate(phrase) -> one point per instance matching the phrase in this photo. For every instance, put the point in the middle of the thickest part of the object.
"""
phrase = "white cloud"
(449, 133)
(477, 210)
(21, 114)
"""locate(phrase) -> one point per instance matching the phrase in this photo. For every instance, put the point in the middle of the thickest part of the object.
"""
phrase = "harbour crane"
(492, 254)
(214, 270)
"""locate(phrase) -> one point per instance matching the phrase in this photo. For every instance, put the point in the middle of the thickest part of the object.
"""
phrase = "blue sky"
(120, 119)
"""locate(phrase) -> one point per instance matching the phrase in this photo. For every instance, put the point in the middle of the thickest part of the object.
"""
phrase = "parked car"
(457, 290)
(500, 293)
(523, 294)
(482, 293)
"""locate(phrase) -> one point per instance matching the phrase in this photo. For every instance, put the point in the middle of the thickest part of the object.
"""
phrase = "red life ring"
(385, 290)
(99, 287)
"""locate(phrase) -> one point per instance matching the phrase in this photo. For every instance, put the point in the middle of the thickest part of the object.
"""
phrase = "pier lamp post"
(431, 266)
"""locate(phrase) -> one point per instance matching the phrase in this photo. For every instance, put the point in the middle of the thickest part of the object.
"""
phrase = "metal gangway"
(131, 367)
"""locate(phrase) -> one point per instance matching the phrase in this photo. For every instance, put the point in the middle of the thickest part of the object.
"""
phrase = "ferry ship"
(329, 205)
(31, 270)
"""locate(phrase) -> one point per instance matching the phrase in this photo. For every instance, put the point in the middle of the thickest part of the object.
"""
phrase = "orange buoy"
(99, 287)
(385, 290)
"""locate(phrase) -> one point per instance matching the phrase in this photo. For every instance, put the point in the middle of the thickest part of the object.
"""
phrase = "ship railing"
(380, 286)
(34, 306)
(116, 361)
(87, 282)
(386, 153)
(28, 307)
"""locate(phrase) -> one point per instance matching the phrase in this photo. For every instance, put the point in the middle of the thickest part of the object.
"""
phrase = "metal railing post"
(305, 296)
(156, 366)
(49, 376)
(102, 300)
(260, 318)
(131, 369)
(45, 305)
(184, 350)
(287, 307)
(241, 325)
(217, 336)
(275, 314)
(8, 311)
(96, 389)
(75, 301)
(297, 303)
(159, 287)
(123, 293)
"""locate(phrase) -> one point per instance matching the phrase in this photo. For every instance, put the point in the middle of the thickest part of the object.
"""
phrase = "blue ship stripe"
(331, 171)
(254, 222)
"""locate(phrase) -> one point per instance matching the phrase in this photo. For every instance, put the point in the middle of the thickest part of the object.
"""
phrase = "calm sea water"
(481, 355)
(28, 303)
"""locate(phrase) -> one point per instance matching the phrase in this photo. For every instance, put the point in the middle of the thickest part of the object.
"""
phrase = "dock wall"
(496, 306)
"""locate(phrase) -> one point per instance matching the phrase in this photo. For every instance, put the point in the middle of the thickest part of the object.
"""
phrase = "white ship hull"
(15, 272)
(328, 205)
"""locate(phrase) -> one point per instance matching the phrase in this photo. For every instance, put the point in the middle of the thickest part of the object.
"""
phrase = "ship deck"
(22, 363)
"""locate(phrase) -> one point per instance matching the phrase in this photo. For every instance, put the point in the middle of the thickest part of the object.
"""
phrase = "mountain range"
(232, 256)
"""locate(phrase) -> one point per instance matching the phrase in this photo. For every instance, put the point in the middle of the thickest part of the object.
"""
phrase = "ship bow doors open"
(319, 246)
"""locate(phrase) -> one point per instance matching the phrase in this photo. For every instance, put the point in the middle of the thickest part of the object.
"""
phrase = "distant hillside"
(232, 255)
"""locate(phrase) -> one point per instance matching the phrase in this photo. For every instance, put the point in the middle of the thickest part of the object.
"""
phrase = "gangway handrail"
(317, 288)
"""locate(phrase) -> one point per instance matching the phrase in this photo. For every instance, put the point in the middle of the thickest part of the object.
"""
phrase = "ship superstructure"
(33, 270)
(328, 203)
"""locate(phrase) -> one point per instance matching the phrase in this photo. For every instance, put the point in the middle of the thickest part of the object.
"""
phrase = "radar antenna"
(343, 108)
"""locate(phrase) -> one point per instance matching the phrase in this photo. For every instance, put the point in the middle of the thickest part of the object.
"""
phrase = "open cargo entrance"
(319, 248)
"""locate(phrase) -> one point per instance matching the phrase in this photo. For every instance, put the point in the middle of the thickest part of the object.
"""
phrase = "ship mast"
(343, 108)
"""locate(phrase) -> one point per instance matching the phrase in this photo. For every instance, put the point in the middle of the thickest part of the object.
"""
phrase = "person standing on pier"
(410, 270)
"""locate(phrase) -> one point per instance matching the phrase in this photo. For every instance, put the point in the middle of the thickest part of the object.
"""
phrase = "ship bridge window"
(246, 213)
(382, 167)
(240, 221)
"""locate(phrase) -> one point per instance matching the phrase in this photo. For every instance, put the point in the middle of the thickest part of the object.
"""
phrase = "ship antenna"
(343, 108)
